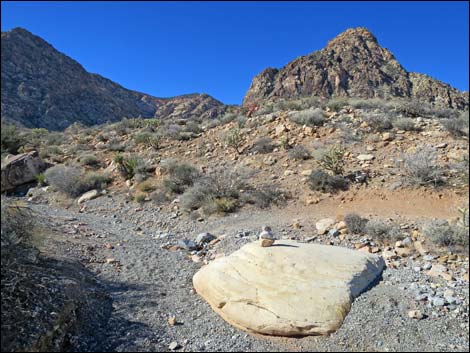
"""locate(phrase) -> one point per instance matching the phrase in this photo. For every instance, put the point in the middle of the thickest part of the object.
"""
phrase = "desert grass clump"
(11, 139)
(382, 231)
(442, 233)
(309, 117)
(406, 124)
(139, 197)
(147, 186)
(422, 168)
(263, 145)
(300, 153)
(355, 223)
(332, 160)
(319, 180)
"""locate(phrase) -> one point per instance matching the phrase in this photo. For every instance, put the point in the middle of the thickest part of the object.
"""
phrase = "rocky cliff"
(42, 87)
(352, 64)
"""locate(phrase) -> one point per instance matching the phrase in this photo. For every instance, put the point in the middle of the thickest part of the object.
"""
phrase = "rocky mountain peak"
(352, 37)
(352, 64)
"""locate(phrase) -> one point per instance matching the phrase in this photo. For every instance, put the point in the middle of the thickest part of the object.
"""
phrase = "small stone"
(427, 266)
(387, 136)
(196, 258)
(365, 157)
(187, 244)
(324, 225)
(415, 314)
(204, 238)
(174, 345)
(333, 232)
(436, 301)
(172, 321)
(296, 225)
(306, 172)
(388, 254)
(399, 244)
(288, 172)
(365, 249)
(441, 145)
(89, 195)
(403, 252)
(111, 260)
(341, 225)
(266, 242)
(417, 269)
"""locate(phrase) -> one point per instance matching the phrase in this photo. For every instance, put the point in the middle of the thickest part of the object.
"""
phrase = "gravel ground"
(148, 284)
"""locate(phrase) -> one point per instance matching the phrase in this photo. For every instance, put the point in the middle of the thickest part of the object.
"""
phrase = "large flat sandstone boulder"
(21, 169)
(288, 289)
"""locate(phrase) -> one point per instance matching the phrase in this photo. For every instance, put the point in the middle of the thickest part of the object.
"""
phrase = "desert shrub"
(89, 159)
(322, 181)
(11, 139)
(377, 122)
(421, 167)
(263, 145)
(406, 124)
(300, 153)
(233, 138)
(159, 196)
(139, 197)
(193, 127)
(355, 223)
(148, 139)
(49, 151)
(131, 165)
(41, 179)
(350, 135)
(180, 176)
(309, 117)
(382, 231)
(443, 234)
(367, 104)
(264, 196)
(147, 186)
(72, 181)
(332, 160)
(336, 104)
(228, 117)
(457, 126)
(415, 108)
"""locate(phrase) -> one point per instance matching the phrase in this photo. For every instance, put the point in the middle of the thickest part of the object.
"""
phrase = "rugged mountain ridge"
(351, 64)
(42, 87)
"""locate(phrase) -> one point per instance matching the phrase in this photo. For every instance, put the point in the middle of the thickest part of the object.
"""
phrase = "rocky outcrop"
(21, 169)
(352, 64)
(287, 289)
(42, 87)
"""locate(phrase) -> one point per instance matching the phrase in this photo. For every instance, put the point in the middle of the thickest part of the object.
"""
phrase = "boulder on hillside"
(21, 169)
(288, 289)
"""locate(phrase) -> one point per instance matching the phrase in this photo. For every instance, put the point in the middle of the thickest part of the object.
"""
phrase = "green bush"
(300, 153)
(406, 124)
(89, 159)
(263, 145)
(333, 160)
(11, 139)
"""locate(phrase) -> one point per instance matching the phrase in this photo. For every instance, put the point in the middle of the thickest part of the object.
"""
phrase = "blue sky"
(172, 48)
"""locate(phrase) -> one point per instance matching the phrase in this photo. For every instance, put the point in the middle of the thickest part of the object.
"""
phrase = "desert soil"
(127, 247)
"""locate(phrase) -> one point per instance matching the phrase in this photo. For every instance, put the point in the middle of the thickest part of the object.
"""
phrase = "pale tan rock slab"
(288, 289)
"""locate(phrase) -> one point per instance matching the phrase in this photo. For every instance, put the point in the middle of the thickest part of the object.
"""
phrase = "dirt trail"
(148, 284)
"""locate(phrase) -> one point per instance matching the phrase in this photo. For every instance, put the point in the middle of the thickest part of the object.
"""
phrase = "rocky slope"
(352, 64)
(42, 87)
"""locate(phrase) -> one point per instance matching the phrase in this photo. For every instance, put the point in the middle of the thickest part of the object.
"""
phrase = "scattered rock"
(174, 346)
(187, 244)
(89, 195)
(365, 157)
(204, 238)
(415, 314)
(324, 225)
(21, 169)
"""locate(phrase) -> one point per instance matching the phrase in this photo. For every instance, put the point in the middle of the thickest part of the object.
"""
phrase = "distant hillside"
(352, 64)
(42, 87)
